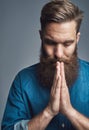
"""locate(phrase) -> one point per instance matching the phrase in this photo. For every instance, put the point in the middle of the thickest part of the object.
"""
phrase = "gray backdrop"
(20, 41)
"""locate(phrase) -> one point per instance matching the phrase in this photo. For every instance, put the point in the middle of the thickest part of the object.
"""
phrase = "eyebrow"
(47, 40)
(68, 41)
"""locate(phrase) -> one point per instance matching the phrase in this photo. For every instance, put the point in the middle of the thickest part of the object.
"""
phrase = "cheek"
(49, 50)
(69, 51)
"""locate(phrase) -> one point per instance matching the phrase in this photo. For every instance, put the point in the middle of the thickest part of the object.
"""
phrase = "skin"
(59, 41)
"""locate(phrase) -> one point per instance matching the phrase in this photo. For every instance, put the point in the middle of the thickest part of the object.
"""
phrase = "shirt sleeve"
(21, 125)
(15, 110)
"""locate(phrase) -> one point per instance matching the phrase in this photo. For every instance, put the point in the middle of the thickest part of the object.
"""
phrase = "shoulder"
(84, 67)
(83, 63)
(29, 70)
(27, 74)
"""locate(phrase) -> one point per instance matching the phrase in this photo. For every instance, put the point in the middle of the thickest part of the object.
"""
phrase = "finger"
(56, 82)
(57, 70)
(57, 74)
(63, 74)
(58, 85)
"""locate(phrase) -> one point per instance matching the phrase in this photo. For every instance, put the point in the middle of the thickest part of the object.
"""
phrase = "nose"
(58, 51)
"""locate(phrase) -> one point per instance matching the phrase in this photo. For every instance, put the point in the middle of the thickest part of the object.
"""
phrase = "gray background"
(20, 41)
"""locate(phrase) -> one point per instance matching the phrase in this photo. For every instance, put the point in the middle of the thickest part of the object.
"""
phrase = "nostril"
(56, 57)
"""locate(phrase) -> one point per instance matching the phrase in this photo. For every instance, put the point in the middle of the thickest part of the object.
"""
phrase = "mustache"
(46, 59)
(54, 60)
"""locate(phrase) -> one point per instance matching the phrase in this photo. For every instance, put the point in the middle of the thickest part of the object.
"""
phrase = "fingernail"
(58, 62)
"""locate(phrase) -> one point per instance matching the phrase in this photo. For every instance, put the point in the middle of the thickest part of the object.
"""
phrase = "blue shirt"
(27, 98)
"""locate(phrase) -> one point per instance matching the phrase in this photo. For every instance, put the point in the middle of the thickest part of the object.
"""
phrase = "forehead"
(60, 30)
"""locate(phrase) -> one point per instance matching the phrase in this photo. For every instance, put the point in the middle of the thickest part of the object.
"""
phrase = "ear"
(40, 32)
(78, 37)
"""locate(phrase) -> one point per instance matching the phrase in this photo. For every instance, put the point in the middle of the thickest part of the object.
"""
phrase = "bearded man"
(53, 94)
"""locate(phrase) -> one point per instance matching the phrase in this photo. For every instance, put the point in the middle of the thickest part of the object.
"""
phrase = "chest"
(79, 96)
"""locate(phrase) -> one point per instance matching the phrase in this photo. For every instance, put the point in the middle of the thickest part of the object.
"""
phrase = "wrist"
(71, 112)
(47, 112)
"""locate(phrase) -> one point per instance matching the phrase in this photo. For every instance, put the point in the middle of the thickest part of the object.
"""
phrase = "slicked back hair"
(60, 11)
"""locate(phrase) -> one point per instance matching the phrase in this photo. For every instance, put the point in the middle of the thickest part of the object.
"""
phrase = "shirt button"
(63, 125)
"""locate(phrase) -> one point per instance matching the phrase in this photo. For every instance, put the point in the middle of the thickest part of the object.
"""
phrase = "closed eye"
(49, 42)
(68, 43)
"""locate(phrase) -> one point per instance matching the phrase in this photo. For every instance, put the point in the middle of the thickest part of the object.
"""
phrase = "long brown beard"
(46, 70)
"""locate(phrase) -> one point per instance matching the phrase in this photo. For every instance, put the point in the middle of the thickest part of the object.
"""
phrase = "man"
(53, 94)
